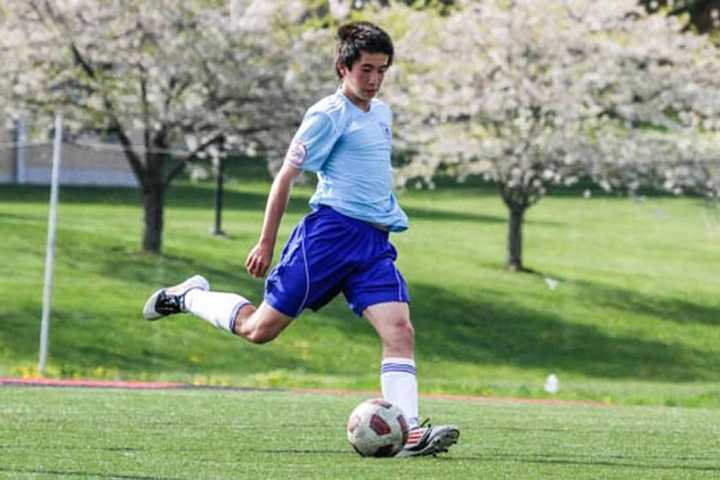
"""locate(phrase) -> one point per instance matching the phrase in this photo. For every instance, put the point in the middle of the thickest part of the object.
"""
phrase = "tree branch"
(218, 138)
(130, 153)
(145, 109)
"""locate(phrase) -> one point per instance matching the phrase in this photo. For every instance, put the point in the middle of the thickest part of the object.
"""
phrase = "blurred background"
(559, 161)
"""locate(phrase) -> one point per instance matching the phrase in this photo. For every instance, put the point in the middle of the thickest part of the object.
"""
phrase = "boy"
(342, 245)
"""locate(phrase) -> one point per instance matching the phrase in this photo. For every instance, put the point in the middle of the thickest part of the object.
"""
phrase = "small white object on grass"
(552, 384)
(551, 283)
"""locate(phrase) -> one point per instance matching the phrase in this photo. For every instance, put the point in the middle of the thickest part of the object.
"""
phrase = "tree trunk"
(219, 192)
(153, 205)
(514, 241)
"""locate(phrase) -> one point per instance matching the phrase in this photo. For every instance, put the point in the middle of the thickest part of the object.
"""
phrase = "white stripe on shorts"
(397, 277)
(307, 274)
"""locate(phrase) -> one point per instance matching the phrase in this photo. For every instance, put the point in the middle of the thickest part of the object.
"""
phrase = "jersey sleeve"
(313, 142)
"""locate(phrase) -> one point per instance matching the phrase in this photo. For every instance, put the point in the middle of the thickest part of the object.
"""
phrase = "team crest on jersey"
(296, 153)
(386, 130)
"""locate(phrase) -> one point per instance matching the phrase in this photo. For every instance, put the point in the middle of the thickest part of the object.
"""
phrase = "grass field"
(634, 318)
(202, 434)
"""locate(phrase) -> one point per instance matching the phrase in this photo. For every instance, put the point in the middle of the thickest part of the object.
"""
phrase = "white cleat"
(171, 300)
(429, 440)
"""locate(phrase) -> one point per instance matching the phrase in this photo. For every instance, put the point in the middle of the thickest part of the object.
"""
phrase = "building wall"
(80, 165)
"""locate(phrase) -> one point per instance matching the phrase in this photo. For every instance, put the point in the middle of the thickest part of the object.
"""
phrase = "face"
(363, 81)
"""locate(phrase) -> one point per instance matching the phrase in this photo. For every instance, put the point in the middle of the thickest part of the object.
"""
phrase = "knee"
(402, 333)
(259, 336)
(256, 333)
(256, 326)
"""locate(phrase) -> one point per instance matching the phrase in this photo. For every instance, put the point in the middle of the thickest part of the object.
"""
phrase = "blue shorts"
(328, 253)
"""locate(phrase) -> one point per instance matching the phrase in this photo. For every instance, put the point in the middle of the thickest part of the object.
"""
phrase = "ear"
(344, 71)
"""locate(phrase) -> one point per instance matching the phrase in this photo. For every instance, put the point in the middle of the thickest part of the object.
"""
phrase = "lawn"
(623, 307)
(203, 434)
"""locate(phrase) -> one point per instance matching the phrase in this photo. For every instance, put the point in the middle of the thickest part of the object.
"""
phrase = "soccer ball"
(377, 428)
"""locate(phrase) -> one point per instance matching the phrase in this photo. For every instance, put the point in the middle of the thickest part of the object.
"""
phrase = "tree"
(530, 94)
(678, 163)
(704, 15)
(660, 89)
(172, 74)
(440, 5)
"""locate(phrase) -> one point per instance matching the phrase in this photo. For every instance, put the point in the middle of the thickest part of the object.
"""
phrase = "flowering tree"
(535, 94)
(704, 15)
(660, 92)
(183, 75)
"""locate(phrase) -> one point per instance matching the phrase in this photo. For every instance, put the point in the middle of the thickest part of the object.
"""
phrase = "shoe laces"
(169, 303)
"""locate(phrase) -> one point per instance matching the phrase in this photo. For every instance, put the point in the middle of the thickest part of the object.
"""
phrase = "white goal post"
(50, 251)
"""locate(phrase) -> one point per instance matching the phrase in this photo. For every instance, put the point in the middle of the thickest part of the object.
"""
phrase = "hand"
(259, 260)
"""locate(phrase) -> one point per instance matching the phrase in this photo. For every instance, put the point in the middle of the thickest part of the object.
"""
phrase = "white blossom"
(553, 91)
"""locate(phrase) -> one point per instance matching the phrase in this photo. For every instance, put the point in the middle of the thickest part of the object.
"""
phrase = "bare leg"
(397, 375)
(392, 322)
(260, 325)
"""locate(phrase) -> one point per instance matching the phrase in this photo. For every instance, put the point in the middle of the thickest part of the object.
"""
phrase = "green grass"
(635, 318)
(199, 434)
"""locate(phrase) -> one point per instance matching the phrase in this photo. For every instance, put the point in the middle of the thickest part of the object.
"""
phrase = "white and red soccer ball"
(377, 428)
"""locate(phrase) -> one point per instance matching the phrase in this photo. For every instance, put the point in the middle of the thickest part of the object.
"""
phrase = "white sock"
(399, 386)
(217, 308)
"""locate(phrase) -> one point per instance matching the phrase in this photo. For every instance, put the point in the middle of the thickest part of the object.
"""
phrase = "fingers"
(252, 265)
(256, 264)
(258, 270)
(251, 259)
(261, 269)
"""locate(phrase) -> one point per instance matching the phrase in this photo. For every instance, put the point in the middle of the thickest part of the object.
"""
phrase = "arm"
(260, 257)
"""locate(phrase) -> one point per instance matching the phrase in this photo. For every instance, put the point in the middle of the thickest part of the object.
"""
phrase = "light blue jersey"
(350, 149)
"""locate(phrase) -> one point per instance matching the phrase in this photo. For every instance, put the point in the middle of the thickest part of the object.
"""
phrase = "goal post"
(50, 250)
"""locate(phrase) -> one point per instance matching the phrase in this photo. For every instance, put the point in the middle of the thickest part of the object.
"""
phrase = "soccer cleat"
(429, 440)
(168, 301)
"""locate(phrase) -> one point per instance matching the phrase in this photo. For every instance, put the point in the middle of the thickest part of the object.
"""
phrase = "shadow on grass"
(670, 309)
(22, 218)
(492, 331)
(98, 334)
(66, 473)
(131, 347)
(619, 461)
(489, 330)
(485, 330)
(281, 451)
(203, 197)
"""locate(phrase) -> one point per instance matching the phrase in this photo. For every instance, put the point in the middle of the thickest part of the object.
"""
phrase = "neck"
(359, 102)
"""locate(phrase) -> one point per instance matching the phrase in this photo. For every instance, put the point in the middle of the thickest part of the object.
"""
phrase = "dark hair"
(356, 37)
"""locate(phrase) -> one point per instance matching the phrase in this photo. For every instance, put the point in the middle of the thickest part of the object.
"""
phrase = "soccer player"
(343, 244)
